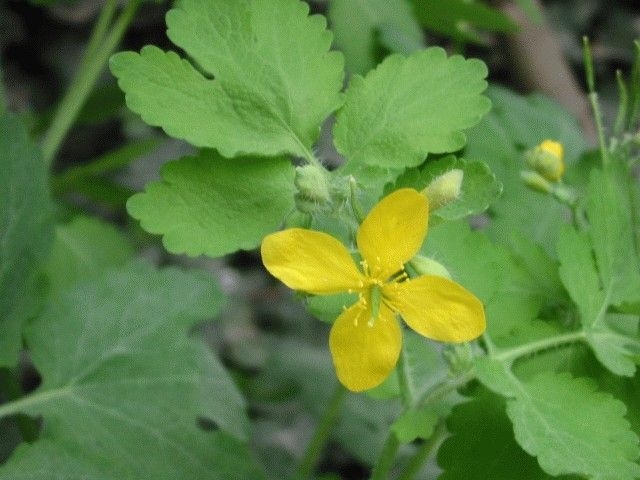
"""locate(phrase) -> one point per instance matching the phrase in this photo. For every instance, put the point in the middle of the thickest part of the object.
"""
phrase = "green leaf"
(211, 205)
(415, 423)
(409, 107)
(609, 214)
(460, 19)
(354, 25)
(496, 376)
(106, 163)
(579, 276)
(614, 347)
(274, 80)
(479, 186)
(422, 367)
(482, 445)
(573, 429)
(122, 384)
(449, 244)
(616, 343)
(26, 231)
(85, 247)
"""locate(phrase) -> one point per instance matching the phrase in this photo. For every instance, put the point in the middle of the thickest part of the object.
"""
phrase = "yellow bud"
(427, 266)
(547, 159)
(444, 188)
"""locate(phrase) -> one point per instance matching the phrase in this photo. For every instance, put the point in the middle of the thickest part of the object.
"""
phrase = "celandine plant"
(520, 356)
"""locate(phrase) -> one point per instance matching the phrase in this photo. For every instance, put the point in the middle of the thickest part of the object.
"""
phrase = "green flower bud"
(547, 159)
(459, 357)
(535, 181)
(312, 182)
(427, 266)
(444, 189)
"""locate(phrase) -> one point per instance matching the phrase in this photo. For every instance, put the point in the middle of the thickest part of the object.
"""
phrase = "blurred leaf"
(211, 205)
(609, 213)
(515, 124)
(574, 429)
(106, 163)
(450, 243)
(354, 26)
(479, 186)
(460, 19)
(423, 366)
(415, 423)
(104, 103)
(82, 248)
(274, 81)
(122, 384)
(102, 191)
(409, 107)
(26, 231)
(482, 445)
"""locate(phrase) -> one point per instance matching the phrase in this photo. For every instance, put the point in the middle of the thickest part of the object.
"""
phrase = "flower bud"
(444, 189)
(535, 181)
(547, 159)
(427, 266)
(313, 193)
(312, 182)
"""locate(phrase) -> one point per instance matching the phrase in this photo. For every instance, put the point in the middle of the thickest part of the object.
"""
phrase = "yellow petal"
(393, 232)
(310, 261)
(437, 308)
(364, 355)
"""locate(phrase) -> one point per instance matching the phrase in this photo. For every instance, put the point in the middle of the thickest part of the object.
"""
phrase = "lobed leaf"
(574, 429)
(122, 384)
(614, 347)
(26, 231)
(609, 213)
(482, 445)
(274, 79)
(409, 107)
(206, 205)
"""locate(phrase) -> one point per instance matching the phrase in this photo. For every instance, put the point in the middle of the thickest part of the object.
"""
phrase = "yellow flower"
(365, 340)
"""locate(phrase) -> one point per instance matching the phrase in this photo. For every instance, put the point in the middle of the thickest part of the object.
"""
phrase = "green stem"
(513, 354)
(10, 386)
(355, 205)
(443, 389)
(321, 434)
(386, 459)
(100, 28)
(593, 99)
(424, 452)
(21, 404)
(85, 79)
